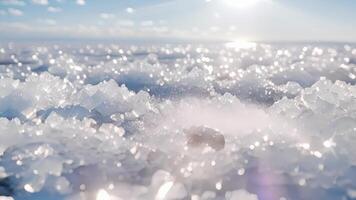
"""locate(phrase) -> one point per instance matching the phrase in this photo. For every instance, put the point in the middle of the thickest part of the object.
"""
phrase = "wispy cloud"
(40, 2)
(49, 22)
(130, 10)
(11, 26)
(107, 16)
(54, 9)
(147, 23)
(122, 29)
(81, 2)
(14, 12)
(125, 23)
(180, 18)
(13, 2)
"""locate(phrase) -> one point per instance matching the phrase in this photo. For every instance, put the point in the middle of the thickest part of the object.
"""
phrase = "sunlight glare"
(242, 4)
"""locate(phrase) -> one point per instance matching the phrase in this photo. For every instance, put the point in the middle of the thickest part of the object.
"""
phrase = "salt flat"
(108, 121)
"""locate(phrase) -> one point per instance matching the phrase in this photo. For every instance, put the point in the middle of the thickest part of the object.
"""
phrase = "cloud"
(3, 12)
(121, 29)
(54, 9)
(107, 16)
(49, 22)
(80, 2)
(130, 10)
(11, 27)
(14, 12)
(147, 23)
(40, 2)
(125, 23)
(13, 2)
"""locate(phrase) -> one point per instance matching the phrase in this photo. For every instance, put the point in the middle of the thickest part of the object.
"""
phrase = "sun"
(242, 4)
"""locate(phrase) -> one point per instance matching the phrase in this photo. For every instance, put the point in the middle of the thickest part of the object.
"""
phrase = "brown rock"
(201, 135)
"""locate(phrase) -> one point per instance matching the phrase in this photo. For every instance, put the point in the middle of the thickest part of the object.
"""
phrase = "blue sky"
(272, 20)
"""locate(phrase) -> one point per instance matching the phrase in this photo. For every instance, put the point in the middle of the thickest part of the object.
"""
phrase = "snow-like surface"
(108, 121)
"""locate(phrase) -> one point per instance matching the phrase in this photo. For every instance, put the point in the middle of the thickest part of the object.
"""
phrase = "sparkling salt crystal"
(240, 195)
(351, 193)
(2, 172)
(160, 177)
(329, 143)
(111, 129)
(29, 188)
(6, 198)
(178, 191)
(62, 185)
(195, 197)
(34, 183)
(218, 185)
(171, 190)
(283, 81)
(51, 166)
(208, 195)
(103, 195)
(241, 171)
(292, 88)
(166, 187)
(163, 190)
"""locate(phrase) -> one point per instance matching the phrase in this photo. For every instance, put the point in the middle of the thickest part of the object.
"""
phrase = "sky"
(211, 20)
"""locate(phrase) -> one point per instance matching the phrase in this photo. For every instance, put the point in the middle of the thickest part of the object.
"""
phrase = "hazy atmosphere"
(256, 20)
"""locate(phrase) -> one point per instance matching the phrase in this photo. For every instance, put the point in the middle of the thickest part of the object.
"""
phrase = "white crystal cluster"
(109, 122)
